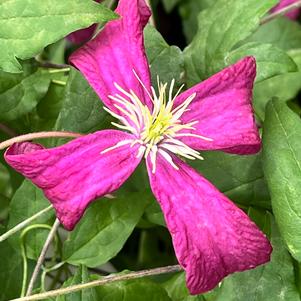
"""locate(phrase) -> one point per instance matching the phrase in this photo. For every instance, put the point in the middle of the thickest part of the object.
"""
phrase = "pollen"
(158, 129)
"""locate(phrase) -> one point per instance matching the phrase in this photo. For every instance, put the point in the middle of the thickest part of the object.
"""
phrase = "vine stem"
(8, 131)
(104, 280)
(53, 65)
(38, 135)
(42, 257)
(23, 252)
(281, 12)
(23, 224)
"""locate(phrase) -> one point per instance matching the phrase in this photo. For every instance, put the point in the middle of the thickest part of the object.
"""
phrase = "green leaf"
(104, 230)
(154, 213)
(55, 53)
(27, 26)
(270, 60)
(221, 27)
(284, 87)
(82, 109)
(81, 276)
(10, 272)
(5, 187)
(239, 177)
(282, 168)
(6, 191)
(281, 32)
(20, 93)
(48, 109)
(132, 290)
(166, 61)
(27, 201)
(177, 290)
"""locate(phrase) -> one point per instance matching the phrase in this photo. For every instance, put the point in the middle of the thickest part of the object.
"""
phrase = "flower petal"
(293, 15)
(211, 236)
(116, 51)
(222, 107)
(81, 36)
(75, 174)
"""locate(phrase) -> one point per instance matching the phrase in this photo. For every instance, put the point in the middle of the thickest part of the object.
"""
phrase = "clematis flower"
(211, 236)
(293, 15)
(83, 35)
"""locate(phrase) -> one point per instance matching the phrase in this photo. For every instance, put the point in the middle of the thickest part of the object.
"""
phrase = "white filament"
(157, 131)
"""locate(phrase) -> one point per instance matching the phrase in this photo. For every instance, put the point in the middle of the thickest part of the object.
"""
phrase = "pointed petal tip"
(212, 237)
(195, 289)
(68, 219)
(262, 257)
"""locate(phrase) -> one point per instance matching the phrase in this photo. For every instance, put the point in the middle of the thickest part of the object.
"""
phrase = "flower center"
(159, 130)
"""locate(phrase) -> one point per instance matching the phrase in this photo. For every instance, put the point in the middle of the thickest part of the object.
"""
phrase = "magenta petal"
(83, 35)
(293, 15)
(223, 109)
(116, 51)
(75, 174)
(211, 236)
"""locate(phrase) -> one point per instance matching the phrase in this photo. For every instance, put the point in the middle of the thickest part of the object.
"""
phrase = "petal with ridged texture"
(116, 51)
(211, 236)
(74, 174)
(222, 107)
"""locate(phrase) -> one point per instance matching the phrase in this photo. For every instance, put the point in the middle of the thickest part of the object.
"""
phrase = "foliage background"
(129, 233)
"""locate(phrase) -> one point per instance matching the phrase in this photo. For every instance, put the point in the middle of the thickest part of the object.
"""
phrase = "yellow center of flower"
(159, 130)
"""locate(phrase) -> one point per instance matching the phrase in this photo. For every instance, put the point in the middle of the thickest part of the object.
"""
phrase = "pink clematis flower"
(283, 3)
(83, 35)
(211, 236)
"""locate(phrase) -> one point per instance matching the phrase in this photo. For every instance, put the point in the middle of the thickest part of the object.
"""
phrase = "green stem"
(48, 270)
(63, 70)
(23, 224)
(23, 252)
(41, 258)
(59, 82)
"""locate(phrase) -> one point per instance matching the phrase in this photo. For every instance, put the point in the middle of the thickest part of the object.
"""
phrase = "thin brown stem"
(53, 65)
(103, 281)
(38, 135)
(42, 257)
(6, 130)
(280, 12)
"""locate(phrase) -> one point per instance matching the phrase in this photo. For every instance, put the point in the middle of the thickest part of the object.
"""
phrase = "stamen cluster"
(159, 130)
